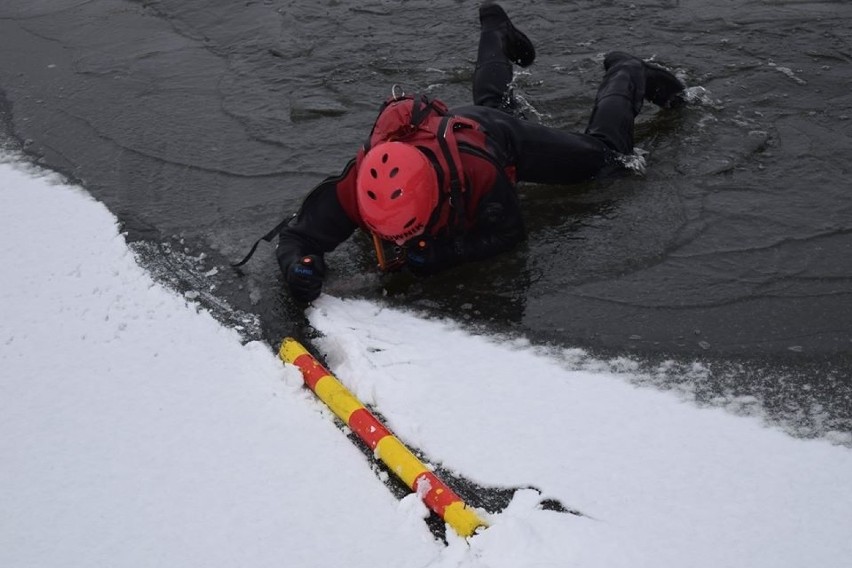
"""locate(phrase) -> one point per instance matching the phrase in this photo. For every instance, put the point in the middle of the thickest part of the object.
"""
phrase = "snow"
(135, 430)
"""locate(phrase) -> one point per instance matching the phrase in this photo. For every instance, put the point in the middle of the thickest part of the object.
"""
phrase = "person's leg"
(547, 155)
(500, 44)
(539, 153)
(629, 80)
(618, 101)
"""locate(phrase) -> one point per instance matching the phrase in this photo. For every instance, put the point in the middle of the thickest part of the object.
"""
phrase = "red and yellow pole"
(387, 447)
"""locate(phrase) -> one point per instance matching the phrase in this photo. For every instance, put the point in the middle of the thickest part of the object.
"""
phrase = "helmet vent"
(374, 173)
(393, 172)
(410, 222)
(371, 195)
(396, 193)
(384, 158)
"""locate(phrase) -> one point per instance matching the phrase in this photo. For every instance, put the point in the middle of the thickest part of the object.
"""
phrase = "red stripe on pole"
(438, 495)
(311, 370)
(367, 427)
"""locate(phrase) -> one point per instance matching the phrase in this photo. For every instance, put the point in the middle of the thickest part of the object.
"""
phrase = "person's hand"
(305, 277)
(426, 255)
(491, 215)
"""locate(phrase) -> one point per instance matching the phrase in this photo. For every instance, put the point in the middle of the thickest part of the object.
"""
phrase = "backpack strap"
(457, 183)
(420, 109)
(423, 107)
(267, 237)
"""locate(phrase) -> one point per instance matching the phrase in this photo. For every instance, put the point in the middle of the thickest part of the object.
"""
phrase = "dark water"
(200, 124)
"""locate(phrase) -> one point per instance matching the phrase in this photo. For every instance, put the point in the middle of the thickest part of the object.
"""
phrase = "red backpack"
(427, 125)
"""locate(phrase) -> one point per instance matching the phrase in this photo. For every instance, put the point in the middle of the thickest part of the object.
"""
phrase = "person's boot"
(516, 45)
(661, 86)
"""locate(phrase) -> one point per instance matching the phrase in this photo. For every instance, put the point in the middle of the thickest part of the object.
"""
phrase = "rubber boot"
(661, 86)
(516, 45)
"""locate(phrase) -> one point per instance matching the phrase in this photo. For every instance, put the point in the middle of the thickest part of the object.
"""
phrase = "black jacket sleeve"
(320, 225)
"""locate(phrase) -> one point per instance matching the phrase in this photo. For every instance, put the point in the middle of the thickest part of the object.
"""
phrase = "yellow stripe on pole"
(291, 349)
(400, 459)
(337, 397)
(462, 518)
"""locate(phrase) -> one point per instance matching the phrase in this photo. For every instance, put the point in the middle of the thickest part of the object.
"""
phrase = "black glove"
(426, 255)
(491, 215)
(304, 278)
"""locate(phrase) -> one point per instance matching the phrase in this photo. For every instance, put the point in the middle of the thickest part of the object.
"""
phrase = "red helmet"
(397, 190)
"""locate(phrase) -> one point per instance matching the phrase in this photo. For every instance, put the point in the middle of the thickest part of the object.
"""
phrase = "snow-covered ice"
(135, 430)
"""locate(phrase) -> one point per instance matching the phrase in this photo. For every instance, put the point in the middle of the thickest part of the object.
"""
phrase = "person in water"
(438, 186)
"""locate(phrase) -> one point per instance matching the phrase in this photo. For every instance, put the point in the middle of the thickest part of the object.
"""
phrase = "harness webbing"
(267, 237)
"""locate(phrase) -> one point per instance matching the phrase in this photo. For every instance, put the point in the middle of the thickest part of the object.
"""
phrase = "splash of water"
(634, 162)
